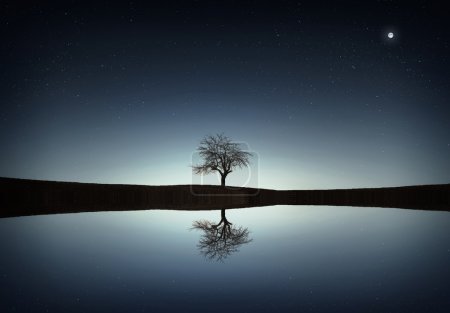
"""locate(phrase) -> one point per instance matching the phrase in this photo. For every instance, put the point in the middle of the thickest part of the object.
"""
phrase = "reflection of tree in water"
(218, 241)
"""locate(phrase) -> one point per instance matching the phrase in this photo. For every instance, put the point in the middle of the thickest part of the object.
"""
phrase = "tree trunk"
(222, 180)
(223, 218)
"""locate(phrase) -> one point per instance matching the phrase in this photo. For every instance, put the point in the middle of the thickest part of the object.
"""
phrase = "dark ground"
(19, 197)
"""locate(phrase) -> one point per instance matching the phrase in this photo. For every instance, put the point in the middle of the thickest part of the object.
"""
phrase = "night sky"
(123, 93)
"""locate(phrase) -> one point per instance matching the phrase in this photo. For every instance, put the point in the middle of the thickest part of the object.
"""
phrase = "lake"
(270, 259)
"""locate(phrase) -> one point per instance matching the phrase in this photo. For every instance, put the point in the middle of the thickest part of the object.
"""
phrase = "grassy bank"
(29, 197)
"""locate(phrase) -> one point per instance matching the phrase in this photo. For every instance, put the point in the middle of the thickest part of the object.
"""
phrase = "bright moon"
(390, 35)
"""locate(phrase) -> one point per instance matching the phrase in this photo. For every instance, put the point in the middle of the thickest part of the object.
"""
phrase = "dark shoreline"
(20, 197)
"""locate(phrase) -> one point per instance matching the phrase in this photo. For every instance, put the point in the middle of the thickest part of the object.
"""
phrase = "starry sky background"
(123, 92)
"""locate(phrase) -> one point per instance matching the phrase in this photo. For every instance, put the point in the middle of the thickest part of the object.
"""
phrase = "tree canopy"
(218, 241)
(221, 154)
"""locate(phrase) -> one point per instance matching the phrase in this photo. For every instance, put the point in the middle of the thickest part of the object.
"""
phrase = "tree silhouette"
(218, 241)
(222, 155)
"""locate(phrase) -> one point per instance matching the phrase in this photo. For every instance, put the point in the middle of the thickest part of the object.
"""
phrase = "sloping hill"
(29, 197)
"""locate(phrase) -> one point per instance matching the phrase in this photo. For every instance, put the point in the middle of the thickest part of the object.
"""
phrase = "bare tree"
(222, 155)
(218, 241)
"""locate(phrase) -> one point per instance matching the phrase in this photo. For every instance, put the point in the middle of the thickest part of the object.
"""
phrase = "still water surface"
(270, 259)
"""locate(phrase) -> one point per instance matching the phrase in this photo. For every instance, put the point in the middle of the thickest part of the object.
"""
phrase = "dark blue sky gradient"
(123, 93)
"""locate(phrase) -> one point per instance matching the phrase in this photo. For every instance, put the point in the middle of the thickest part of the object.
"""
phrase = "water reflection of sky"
(321, 259)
